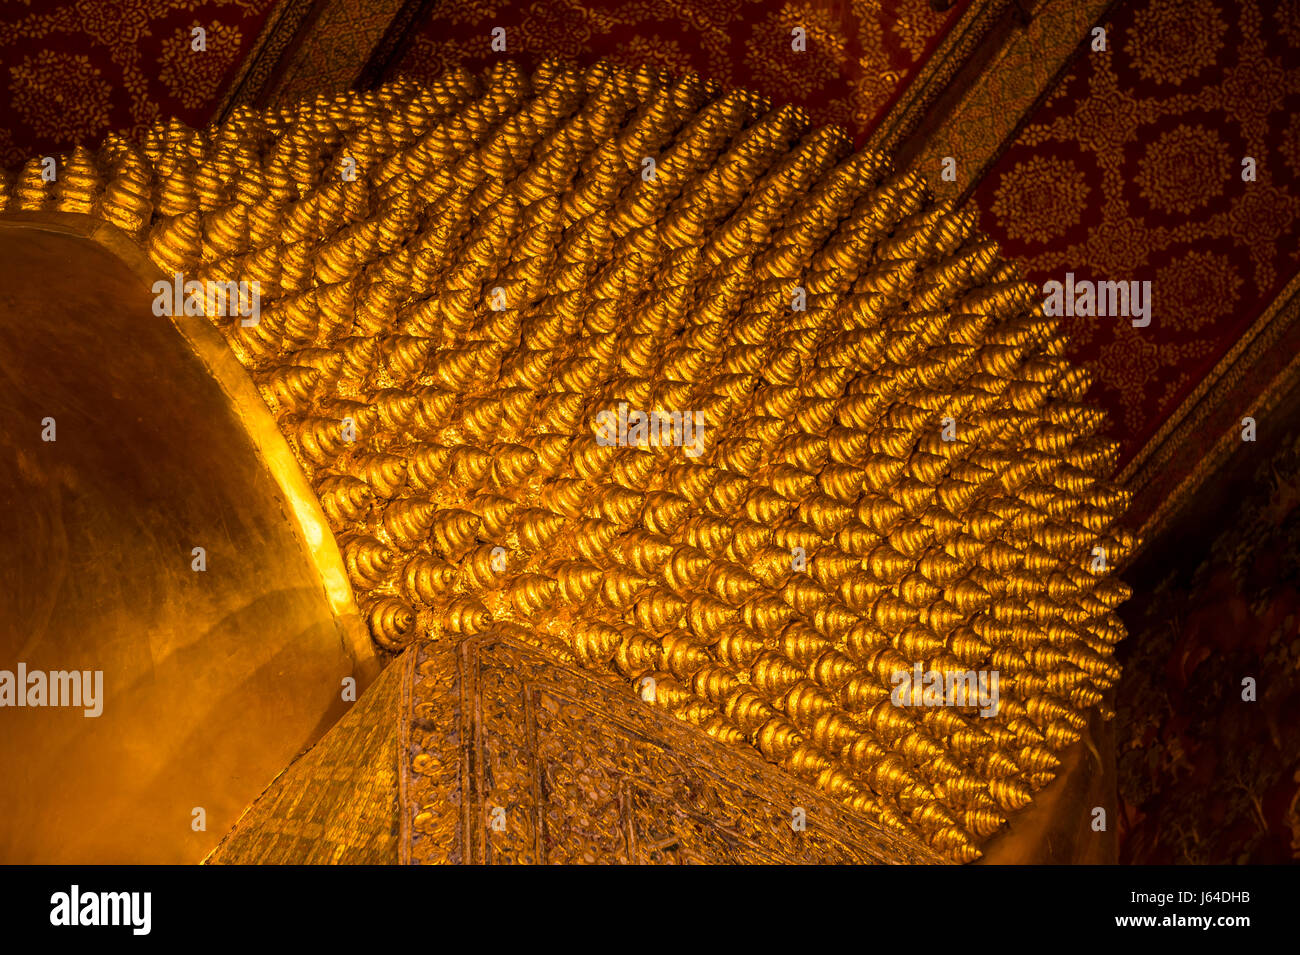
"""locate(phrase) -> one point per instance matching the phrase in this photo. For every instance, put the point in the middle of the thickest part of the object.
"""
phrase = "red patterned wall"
(859, 53)
(1131, 170)
(72, 71)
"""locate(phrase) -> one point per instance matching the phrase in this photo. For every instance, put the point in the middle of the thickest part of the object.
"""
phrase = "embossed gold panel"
(562, 768)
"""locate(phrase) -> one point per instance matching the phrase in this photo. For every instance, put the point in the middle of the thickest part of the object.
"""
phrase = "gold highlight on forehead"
(440, 335)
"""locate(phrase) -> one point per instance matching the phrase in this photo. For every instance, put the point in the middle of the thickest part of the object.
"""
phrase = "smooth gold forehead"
(460, 283)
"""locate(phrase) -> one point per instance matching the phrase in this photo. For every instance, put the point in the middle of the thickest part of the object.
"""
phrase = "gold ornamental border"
(962, 39)
(1199, 407)
(1023, 64)
(262, 63)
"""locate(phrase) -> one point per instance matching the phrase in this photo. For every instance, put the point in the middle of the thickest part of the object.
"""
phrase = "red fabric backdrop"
(72, 71)
(1131, 169)
(859, 52)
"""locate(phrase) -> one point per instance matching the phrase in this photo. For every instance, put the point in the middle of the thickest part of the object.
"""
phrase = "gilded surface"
(439, 336)
(556, 767)
(492, 752)
(209, 682)
(338, 803)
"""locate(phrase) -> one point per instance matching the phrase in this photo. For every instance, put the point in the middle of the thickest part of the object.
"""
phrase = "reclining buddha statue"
(589, 465)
